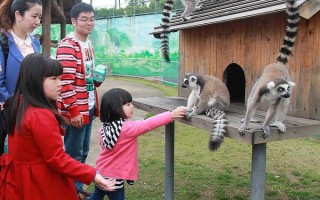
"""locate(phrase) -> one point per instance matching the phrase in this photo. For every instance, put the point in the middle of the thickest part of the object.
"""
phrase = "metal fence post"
(169, 162)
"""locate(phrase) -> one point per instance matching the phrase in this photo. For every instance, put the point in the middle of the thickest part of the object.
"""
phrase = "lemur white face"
(189, 81)
(281, 90)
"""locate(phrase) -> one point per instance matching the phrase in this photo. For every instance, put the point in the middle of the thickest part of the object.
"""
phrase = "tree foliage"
(136, 7)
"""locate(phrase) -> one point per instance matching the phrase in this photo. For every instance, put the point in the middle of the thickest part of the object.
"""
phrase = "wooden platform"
(296, 127)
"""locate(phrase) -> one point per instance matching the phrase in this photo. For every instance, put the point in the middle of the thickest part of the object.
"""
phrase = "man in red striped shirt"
(78, 100)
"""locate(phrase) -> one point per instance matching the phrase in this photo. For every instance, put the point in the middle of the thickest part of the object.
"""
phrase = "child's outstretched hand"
(106, 184)
(179, 112)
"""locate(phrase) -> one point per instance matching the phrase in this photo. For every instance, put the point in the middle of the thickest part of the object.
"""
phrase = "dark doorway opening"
(235, 80)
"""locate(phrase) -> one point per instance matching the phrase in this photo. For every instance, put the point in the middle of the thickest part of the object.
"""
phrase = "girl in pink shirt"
(119, 140)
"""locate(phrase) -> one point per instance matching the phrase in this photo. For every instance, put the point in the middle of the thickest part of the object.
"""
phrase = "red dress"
(37, 167)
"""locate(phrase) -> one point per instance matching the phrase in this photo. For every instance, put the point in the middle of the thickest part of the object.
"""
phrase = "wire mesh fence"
(159, 70)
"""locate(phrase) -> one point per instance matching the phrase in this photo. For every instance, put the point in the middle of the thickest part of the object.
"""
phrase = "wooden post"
(62, 19)
(46, 26)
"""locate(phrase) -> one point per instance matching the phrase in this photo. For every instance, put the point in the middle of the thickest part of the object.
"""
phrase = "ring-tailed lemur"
(165, 30)
(190, 6)
(211, 96)
(274, 85)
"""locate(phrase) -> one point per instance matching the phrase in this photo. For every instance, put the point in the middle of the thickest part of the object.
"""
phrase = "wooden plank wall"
(252, 44)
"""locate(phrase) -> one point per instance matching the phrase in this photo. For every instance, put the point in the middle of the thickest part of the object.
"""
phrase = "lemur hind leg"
(202, 105)
(190, 6)
(280, 114)
(215, 107)
(216, 103)
(199, 6)
(270, 114)
(251, 108)
(250, 99)
(187, 11)
(252, 119)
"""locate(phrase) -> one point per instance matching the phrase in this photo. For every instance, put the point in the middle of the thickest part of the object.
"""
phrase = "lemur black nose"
(287, 95)
(184, 85)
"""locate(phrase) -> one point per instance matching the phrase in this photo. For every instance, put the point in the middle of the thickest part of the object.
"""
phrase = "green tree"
(136, 7)
(138, 2)
(158, 5)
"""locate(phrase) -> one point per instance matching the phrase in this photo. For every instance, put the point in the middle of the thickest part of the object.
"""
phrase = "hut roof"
(229, 10)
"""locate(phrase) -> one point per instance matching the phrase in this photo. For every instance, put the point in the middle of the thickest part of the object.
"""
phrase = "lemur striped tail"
(218, 129)
(291, 31)
(165, 30)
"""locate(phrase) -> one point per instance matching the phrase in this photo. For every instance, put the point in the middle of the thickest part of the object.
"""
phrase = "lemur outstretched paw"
(242, 130)
(266, 132)
(189, 114)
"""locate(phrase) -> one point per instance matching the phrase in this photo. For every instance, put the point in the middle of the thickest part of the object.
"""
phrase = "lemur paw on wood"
(211, 96)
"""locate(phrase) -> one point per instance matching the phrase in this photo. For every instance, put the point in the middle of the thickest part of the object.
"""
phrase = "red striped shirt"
(73, 99)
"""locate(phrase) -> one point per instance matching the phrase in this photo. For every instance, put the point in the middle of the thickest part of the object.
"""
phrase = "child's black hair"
(111, 105)
(29, 89)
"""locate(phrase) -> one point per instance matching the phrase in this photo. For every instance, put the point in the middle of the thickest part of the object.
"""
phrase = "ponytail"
(6, 20)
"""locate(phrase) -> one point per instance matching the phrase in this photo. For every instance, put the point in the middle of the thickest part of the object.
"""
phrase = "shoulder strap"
(4, 45)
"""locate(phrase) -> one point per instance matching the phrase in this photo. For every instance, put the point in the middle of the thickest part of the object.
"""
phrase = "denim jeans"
(77, 142)
(98, 194)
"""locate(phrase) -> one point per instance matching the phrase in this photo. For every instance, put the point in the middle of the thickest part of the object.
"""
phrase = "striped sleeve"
(66, 54)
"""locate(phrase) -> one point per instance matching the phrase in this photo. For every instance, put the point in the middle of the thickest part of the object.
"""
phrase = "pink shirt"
(122, 161)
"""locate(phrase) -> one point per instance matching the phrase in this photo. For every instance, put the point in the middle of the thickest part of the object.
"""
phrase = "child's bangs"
(53, 68)
(126, 97)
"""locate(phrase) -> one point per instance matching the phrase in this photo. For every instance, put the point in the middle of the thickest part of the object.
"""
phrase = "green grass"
(167, 90)
(292, 166)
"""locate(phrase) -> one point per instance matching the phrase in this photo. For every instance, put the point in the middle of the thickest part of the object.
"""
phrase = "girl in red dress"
(36, 166)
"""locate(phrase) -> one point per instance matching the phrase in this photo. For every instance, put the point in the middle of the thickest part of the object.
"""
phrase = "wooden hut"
(234, 40)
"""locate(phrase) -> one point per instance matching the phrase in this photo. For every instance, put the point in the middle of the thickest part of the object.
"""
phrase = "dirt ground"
(137, 90)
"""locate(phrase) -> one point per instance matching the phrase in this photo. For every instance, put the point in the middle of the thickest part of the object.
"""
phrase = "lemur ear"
(292, 83)
(270, 85)
(188, 73)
